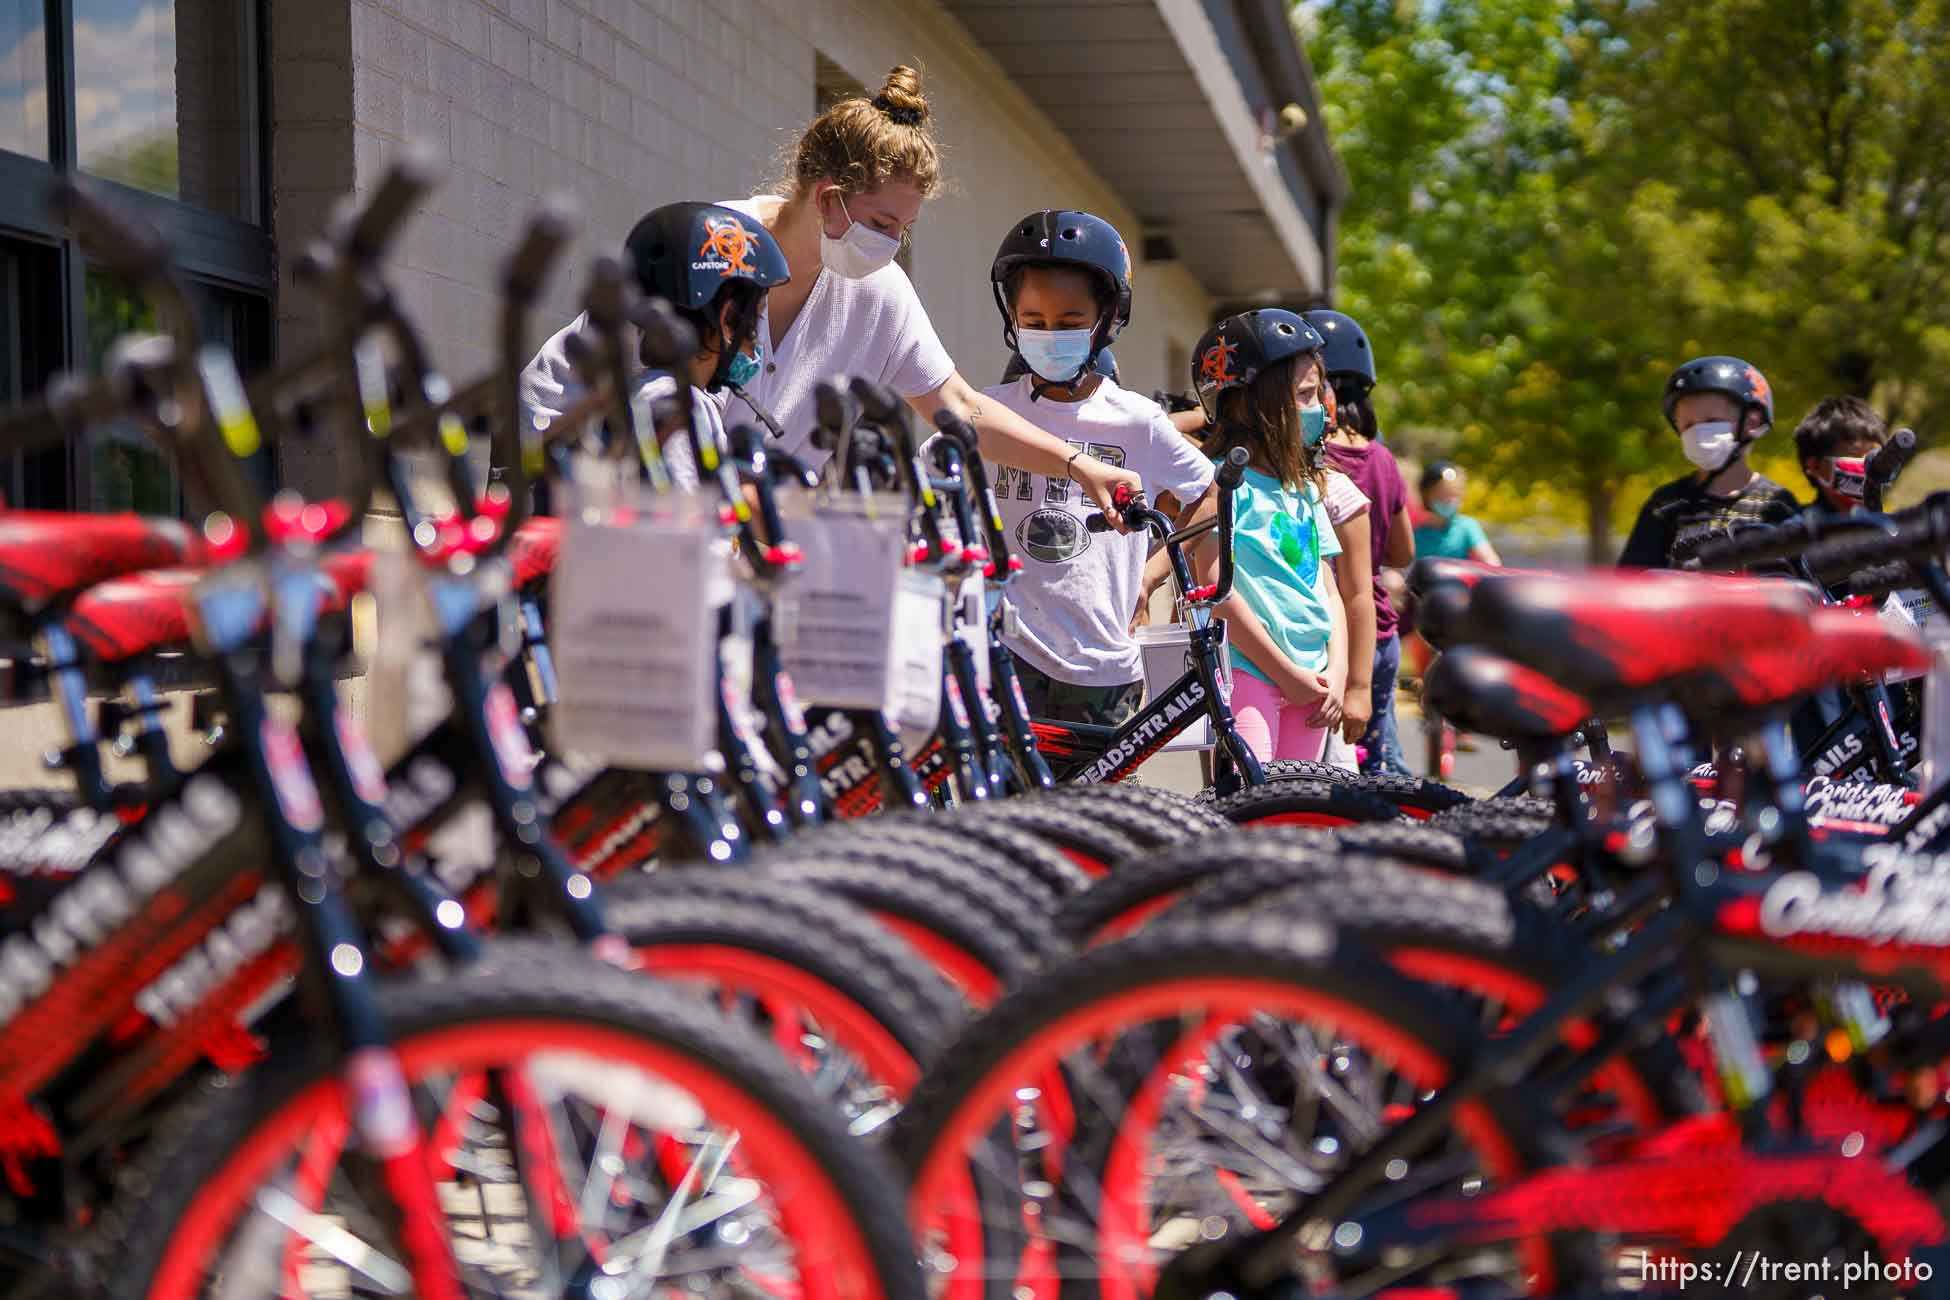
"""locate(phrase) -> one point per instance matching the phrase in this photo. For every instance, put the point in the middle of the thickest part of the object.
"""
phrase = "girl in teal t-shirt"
(1285, 625)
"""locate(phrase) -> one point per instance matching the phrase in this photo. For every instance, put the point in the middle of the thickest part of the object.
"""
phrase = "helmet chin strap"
(1740, 444)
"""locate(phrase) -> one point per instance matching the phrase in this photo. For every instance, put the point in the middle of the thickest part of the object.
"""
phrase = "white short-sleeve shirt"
(873, 327)
(1078, 589)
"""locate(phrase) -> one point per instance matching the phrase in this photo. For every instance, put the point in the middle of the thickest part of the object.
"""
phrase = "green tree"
(1789, 166)
(1474, 252)
(1557, 201)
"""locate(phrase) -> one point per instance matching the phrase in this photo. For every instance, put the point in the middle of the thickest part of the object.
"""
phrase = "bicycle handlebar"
(975, 472)
(835, 416)
(881, 408)
(1884, 464)
(1916, 537)
(365, 236)
(1232, 471)
(517, 447)
(668, 339)
(1769, 544)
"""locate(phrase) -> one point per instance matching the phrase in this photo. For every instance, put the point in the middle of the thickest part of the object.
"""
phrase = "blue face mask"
(743, 369)
(1313, 424)
(1057, 356)
(1445, 510)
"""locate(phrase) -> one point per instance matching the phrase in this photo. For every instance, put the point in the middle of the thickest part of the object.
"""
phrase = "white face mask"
(858, 253)
(1709, 444)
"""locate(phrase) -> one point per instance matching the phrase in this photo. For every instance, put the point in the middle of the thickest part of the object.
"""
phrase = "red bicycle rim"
(834, 1259)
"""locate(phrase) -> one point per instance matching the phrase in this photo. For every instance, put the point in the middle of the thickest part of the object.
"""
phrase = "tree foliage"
(1557, 201)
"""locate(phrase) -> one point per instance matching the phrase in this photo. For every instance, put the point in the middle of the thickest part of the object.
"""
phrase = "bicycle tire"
(1289, 769)
(1034, 854)
(1301, 802)
(1094, 846)
(1498, 825)
(1408, 841)
(980, 949)
(910, 836)
(1413, 796)
(1191, 819)
(1137, 980)
(1145, 886)
(1461, 929)
(521, 991)
(866, 988)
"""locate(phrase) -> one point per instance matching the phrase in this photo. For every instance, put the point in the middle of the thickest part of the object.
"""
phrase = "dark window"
(161, 103)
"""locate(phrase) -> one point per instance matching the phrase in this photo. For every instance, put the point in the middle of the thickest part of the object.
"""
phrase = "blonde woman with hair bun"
(855, 184)
(857, 180)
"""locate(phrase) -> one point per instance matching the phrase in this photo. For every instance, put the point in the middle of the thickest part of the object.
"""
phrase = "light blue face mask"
(1057, 356)
(743, 369)
(1313, 423)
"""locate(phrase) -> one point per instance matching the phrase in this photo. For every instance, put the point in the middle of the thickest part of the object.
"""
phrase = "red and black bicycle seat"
(1616, 638)
(534, 548)
(48, 555)
(134, 615)
(1433, 571)
(143, 613)
(1492, 696)
(1842, 646)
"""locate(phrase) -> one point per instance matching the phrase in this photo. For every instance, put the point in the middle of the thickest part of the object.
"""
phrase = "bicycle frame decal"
(1893, 905)
(240, 938)
(1862, 802)
(91, 911)
(1148, 732)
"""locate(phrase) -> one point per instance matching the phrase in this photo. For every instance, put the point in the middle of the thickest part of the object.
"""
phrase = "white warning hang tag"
(914, 669)
(1911, 611)
(972, 629)
(633, 627)
(834, 618)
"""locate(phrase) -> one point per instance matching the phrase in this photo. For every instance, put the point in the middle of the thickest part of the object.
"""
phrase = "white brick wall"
(630, 103)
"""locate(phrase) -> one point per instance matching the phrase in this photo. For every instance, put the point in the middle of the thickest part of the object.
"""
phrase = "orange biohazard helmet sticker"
(728, 246)
(1759, 382)
(1215, 366)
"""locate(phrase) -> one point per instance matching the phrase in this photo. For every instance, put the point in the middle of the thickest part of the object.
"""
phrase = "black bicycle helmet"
(1727, 375)
(1105, 365)
(687, 252)
(1347, 354)
(1060, 237)
(1233, 353)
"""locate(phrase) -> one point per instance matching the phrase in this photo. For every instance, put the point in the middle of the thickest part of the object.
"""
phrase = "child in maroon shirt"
(1354, 448)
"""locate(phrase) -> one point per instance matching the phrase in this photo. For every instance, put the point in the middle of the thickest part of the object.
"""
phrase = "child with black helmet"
(1354, 448)
(1260, 380)
(1062, 282)
(713, 265)
(1719, 406)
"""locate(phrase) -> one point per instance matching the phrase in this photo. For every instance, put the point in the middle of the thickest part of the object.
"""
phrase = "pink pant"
(1271, 727)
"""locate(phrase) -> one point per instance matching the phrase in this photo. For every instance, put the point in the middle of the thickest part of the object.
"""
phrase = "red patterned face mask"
(1846, 476)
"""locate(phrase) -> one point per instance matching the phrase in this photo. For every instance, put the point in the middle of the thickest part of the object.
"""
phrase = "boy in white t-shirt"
(1062, 281)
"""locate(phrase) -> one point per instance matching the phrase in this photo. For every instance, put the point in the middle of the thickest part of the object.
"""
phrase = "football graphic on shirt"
(1052, 536)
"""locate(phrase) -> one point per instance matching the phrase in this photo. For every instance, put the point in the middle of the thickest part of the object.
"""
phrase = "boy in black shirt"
(1834, 442)
(1719, 406)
